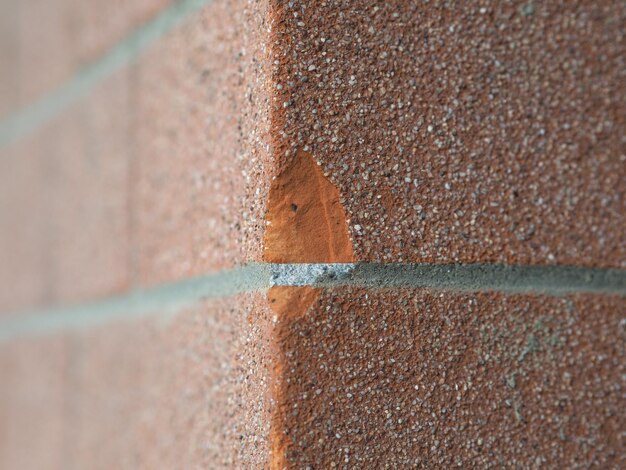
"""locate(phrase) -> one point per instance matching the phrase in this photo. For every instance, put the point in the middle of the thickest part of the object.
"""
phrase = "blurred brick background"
(139, 182)
(468, 133)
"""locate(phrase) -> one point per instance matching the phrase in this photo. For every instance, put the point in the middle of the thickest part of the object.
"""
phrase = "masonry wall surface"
(145, 145)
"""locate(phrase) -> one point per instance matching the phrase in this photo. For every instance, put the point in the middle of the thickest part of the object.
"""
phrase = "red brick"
(23, 229)
(169, 393)
(8, 58)
(88, 173)
(461, 132)
(194, 194)
(104, 24)
(58, 37)
(179, 391)
(158, 174)
(474, 134)
(33, 403)
(416, 379)
(64, 211)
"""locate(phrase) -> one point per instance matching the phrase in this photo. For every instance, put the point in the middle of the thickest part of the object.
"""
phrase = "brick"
(46, 46)
(65, 207)
(461, 133)
(194, 189)
(23, 236)
(88, 174)
(56, 38)
(167, 393)
(173, 391)
(103, 25)
(487, 133)
(408, 378)
(8, 58)
(124, 174)
(33, 403)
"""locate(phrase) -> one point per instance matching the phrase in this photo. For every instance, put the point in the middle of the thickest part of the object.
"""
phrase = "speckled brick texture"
(179, 388)
(462, 132)
(187, 392)
(412, 379)
(455, 133)
(293, 131)
(194, 200)
(160, 173)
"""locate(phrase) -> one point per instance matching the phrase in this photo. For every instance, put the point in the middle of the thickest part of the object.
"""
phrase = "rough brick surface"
(473, 133)
(168, 383)
(461, 133)
(297, 132)
(144, 181)
(201, 160)
(181, 387)
(410, 379)
(147, 179)
(186, 173)
(187, 391)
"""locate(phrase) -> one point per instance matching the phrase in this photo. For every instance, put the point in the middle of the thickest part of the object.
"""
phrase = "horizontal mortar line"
(168, 299)
(164, 300)
(33, 116)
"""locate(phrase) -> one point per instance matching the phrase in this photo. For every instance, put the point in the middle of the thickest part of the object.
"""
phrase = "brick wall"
(341, 234)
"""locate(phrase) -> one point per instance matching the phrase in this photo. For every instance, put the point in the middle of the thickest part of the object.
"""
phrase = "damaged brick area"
(305, 224)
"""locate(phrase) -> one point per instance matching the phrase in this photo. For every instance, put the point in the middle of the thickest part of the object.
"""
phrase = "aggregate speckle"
(504, 122)
(411, 379)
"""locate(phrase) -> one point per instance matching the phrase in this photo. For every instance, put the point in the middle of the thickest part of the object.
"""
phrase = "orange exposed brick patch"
(306, 224)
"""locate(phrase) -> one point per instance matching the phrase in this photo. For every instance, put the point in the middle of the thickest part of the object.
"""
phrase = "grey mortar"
(167, 299)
